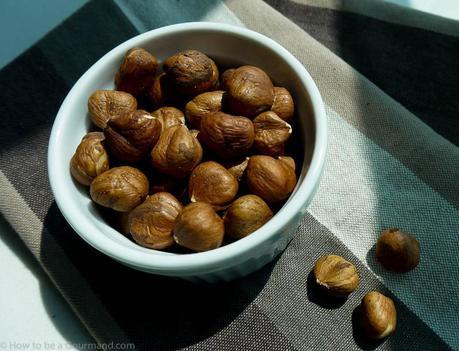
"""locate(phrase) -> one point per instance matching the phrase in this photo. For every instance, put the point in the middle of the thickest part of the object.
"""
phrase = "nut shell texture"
(212, 183)
(105, 104)
(378, 314)
(177, 152)
(226, 135)
(398, 251)
(271, 179)
(336, 275)
(90, 158)
(271, 133)
(152, 222)
(199, 228)
(191, 72)
(246, 215)
(120, 188)
(169, 117)
(137, 71)
(283, 104)
(203, 104)
(131, 136)
(250, 91)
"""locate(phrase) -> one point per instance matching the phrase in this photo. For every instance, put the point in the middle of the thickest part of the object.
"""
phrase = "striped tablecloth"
(390, 81)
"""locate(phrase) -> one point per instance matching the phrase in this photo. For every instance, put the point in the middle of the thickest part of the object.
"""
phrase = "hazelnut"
(194, 132)
(90, 158)
(137, 71)
(211, 183)
(120, 188)
(132, 135)
(152, 222)
(336, 276)
(225, 78)
(283, 104)
(226, 135)
(199, 228)
(397, 251)
(250, 91)
(164, 183)
(105, 104)
(271, 179)
(191, 72)
(237, 167)
(378, 315)
(161, 91)
(177, 152)
(169, 117)
(271, 133)
(201, 105)
(246, 215)
(289, 161)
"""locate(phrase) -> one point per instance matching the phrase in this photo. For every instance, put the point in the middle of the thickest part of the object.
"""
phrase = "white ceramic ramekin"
(226, 44)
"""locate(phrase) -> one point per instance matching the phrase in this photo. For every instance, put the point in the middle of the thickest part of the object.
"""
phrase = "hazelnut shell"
(203, 104)
(271, 133)
(105, 104)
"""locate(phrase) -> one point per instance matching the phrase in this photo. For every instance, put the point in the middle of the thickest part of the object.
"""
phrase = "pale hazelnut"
(283, 104)
(237, 167)
(250, 91)
(378, 315)
(201, 105)
(105, 104)
(120, 188)
(211, 183)
(191, 72)
(226, 135)
(137, 71)
(271, 133)
(90, 158)
(271, 179)
(132, 135)
(152, 222)
(169, 117)
(177, 152)
(336, 276)
(246, 215)
(398, 251)
(198, 227)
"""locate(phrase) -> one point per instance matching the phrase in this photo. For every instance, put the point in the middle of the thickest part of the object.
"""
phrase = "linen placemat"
(390, 85)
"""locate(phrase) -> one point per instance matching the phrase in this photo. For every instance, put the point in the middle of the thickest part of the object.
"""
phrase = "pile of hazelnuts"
(188, 157)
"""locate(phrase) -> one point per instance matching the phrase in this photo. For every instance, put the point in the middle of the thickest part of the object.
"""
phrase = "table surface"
(27, 296)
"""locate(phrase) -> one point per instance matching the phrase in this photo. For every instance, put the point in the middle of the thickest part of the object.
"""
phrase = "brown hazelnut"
(271, 133)
(237, 167)
(210, 182)
(397, 251)
(152, 222)
(169, 117)
(177, 152)
(224, 79)
(198, 227)
(226, 135)
(194, 132)
(191, 72)
(378, 315)
(245, 215)
(201, 105)
(120, 188)
(90, 158)
(105, 104)
(250, 91)
(283, 104)
(271, 179)
(289, 161)
(132, 135)
(137, 71)
(161, 92)
(336, 276)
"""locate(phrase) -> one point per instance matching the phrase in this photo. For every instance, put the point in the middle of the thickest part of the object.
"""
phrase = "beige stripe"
(391, 13)
(56, 264)
(363, 105)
